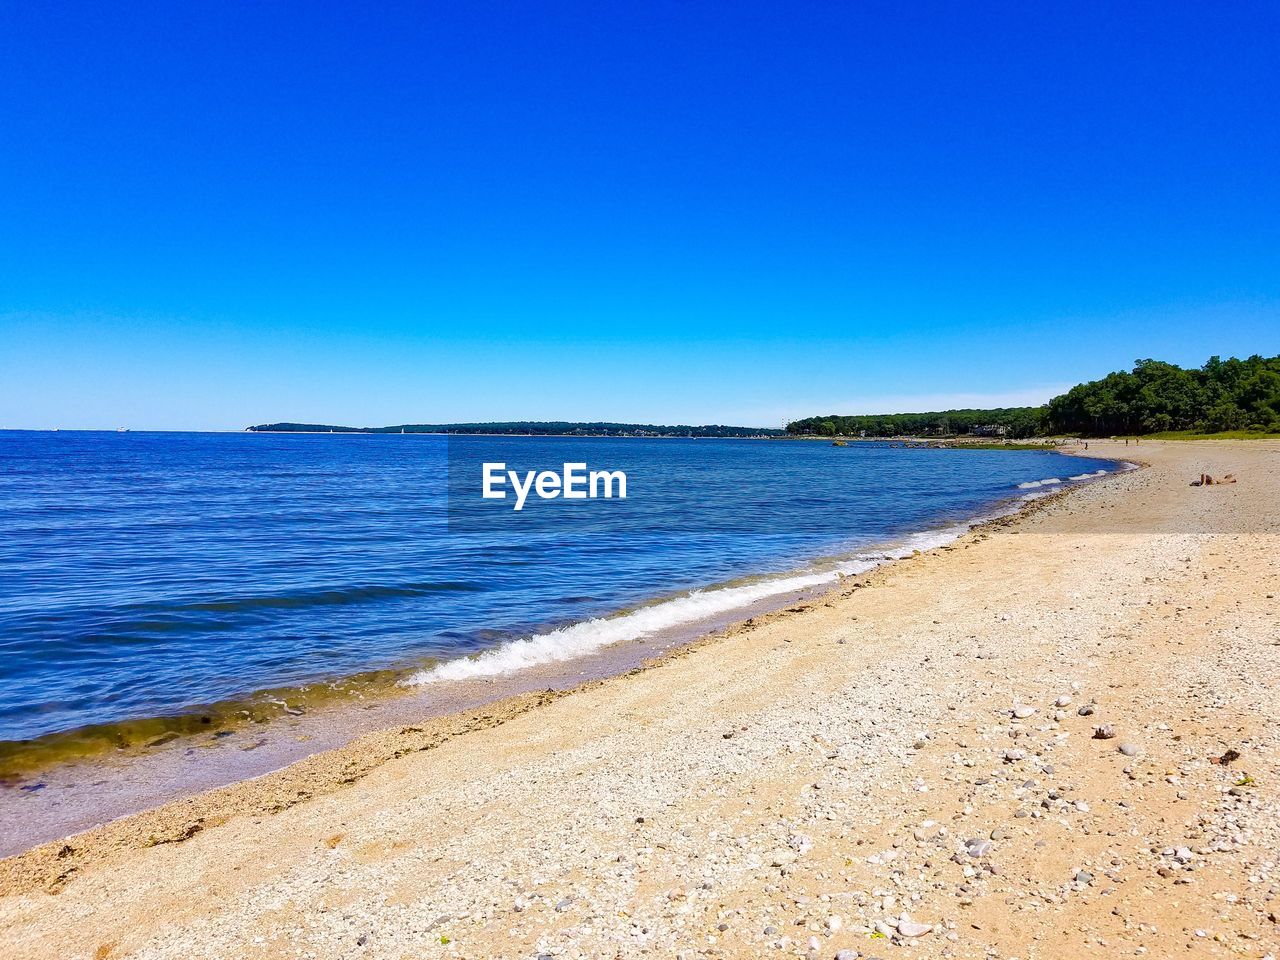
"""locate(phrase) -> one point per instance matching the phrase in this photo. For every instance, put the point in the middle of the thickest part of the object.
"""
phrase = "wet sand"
(794, 784)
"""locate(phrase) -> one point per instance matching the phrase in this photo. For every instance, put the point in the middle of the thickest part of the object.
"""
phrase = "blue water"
(144, 574)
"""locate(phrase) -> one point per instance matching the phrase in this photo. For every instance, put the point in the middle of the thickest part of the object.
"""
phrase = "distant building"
(989, 430)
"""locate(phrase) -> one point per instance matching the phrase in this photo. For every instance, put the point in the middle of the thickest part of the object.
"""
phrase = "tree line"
(1153, 397)
(1013, 422)
(525, 428)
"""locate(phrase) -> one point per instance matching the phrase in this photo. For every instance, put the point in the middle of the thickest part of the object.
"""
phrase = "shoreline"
(806, 776)
(255, 703)
(97, 776)
(517, 692)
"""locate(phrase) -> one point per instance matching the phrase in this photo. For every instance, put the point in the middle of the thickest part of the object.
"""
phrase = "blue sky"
(216, 214)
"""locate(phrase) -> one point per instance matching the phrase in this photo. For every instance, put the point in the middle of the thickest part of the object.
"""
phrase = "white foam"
(583, 638)
(580, 639)
(1032, 484)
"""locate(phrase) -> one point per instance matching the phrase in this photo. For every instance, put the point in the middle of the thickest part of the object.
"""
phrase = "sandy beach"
(1055, 738)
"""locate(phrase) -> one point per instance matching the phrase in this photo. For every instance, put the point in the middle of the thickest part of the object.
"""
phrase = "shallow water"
(150, 575)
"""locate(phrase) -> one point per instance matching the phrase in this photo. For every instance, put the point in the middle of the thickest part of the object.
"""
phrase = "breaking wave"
(1054, 481)
(581, 639)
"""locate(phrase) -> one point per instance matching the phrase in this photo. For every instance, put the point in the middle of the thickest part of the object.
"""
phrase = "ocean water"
(152, 574)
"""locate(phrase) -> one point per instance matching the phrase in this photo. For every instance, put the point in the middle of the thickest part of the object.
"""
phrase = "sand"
(862, 773)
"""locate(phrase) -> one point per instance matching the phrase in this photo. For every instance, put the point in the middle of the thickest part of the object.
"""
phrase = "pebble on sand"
(910, 928)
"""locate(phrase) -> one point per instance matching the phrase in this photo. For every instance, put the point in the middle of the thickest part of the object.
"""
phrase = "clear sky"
(218, 213)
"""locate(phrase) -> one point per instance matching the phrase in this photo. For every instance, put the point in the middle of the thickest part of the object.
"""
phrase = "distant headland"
(1221, 398)
(531, 428)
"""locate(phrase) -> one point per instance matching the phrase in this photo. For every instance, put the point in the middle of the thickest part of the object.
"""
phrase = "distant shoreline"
(545, 428)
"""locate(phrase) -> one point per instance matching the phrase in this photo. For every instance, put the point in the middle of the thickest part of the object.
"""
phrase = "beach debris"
(1227, 758)
(978, 847)
(1207, 481)
(912, 928)
(1179, 855)
(1104, 732)
(799, 843)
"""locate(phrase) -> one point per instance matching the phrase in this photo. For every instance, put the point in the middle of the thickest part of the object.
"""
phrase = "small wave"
(1054, 481)
(583, 638)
